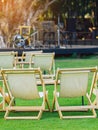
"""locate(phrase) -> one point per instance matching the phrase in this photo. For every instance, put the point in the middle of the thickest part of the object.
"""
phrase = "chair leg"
(47, 101)
(48, 104)
(1, 104)
(7, 98)
(7, 110)
(40, 114)
(53, 104)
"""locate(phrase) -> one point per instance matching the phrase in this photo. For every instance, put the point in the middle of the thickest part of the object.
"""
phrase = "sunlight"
(2, 0)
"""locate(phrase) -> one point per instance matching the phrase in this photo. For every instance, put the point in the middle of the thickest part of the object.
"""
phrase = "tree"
(19, 12)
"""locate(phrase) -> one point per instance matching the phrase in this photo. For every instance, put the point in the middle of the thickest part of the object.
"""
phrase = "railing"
(50, 39)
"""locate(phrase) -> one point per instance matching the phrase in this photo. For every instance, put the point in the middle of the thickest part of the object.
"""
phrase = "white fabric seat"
(71, 84)
(22, 84)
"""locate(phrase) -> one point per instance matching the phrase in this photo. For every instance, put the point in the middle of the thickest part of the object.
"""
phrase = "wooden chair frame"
(7, 61)
(25, 59)
(95, 93)
(25, 94)
(71, 92)
(46, 62)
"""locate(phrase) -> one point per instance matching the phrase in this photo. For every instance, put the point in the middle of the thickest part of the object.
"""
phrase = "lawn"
(51, 120)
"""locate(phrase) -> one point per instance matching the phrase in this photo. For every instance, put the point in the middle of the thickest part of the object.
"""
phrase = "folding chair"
(95, 93)
(46, 63)
(73, 85)
(21, 84)
(7, 60)
(25, 59)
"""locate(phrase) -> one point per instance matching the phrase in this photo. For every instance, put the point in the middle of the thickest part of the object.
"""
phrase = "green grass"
(51, 121)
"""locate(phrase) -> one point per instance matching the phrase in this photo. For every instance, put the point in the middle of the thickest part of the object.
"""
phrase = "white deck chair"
(21, 84)
(74, 84)
(46, 62)
(25, 59)
(95, 93)
(7, 61)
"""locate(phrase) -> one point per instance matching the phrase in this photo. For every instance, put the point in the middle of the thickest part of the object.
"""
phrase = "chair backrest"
(26, 55)
(22, 83)
(74, 82)
(45, 61)
(7, 59)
